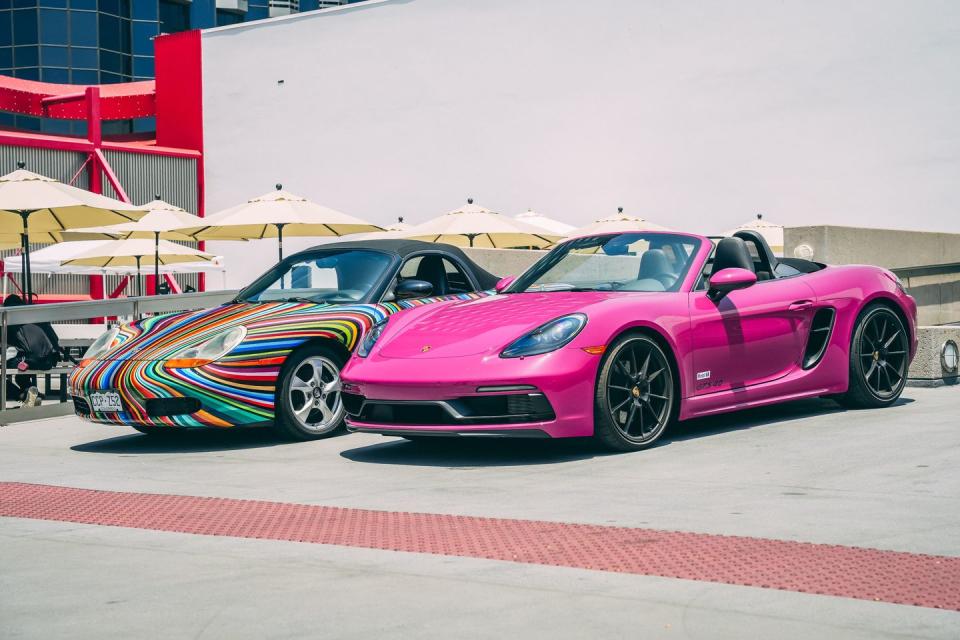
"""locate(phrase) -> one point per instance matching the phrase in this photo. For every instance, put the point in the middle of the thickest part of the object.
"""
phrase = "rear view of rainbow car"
(616, 336)
(273, 355)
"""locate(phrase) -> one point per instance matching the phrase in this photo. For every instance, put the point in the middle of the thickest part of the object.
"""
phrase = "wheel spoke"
(895, 372)
(659, 397)
(325, 411)
(873, 367)
(300, 385)
(640, 413)
(333, 386)
(620, 406)
(304, 412)
(619, 388)
(896, 353)
(653, 376)
(656, 417)
(892, 338)
(646, 365)
(623, 368)
(633, 359)
(630, 414)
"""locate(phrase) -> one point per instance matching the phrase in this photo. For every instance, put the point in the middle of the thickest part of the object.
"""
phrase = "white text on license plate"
(106, 402)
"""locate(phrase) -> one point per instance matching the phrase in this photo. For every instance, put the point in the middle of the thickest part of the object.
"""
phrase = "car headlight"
(371, 338)
(547, 337)
(209, 350)
(104, 343)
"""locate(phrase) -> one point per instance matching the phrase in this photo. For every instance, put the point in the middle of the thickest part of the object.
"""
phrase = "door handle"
(800, 305)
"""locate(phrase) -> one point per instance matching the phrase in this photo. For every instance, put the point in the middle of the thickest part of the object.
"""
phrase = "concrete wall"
(696, 115)
(937, 290)
(926, 370)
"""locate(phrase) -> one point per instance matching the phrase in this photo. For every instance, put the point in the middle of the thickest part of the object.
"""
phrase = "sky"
(694, 115)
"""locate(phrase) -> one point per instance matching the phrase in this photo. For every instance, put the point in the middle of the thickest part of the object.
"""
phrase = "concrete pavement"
(887, 479)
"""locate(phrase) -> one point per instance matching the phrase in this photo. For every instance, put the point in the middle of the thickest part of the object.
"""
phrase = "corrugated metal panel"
(145, 176)
(142, 175)
(62, 165)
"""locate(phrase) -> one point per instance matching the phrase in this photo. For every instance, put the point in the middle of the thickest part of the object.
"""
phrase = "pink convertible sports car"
(617, 335)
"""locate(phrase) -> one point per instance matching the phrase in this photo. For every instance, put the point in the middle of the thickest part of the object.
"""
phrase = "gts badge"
(704, 381)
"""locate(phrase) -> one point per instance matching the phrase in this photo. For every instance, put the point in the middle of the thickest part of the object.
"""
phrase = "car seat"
(432, 270)
(655, 266)
(732, 253)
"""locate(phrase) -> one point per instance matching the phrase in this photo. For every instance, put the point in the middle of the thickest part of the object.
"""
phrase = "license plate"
(106, 402)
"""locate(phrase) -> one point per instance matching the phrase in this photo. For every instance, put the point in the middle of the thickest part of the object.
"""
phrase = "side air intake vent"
(820, 332)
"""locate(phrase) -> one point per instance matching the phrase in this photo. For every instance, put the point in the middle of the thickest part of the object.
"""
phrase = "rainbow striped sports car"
(273, 355)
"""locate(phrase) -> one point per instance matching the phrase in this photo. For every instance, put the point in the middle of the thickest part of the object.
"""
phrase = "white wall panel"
(695, 115)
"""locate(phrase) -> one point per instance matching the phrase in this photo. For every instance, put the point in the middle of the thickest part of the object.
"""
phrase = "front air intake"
(820, 330)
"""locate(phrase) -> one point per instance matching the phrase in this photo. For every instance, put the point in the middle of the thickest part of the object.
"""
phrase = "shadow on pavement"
(187, 441)
(466, 452)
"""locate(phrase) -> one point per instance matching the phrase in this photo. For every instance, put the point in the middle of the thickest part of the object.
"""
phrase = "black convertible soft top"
(403, 248)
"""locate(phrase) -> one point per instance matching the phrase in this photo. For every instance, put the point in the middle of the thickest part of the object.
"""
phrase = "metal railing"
(121, 307)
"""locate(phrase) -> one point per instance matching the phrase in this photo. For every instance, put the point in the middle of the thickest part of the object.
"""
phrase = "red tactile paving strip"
(852, 572)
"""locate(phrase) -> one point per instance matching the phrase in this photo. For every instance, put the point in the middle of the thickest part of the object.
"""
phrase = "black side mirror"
(412, 289)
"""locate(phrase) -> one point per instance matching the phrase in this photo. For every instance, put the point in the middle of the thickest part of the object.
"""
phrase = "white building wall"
(695, 115)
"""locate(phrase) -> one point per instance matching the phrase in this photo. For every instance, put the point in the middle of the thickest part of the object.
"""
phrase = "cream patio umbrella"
(161, 223)
(771, 232)
(613, 224)
(474, 226)
(274, 215)
(32, 204)
(136, 252)
(538, 219)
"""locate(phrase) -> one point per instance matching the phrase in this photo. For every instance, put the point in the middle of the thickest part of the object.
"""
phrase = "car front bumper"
(549, 395)
(215, 395)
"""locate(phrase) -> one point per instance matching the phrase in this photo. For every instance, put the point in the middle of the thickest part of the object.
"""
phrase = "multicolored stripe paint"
(239, 389)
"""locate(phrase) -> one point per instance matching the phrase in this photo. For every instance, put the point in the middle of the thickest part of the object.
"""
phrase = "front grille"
(81, 406)
(467, 410)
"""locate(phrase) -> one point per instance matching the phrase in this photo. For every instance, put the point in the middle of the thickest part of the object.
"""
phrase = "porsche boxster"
(616, 336)
(273, 355)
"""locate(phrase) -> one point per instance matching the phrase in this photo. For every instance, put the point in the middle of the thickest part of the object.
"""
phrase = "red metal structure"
(173, 99)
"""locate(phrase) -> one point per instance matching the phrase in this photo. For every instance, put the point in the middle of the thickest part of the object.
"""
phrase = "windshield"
(624, 262)
(335, 277)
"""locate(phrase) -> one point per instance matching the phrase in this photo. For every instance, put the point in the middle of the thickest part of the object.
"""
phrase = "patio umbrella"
(31, 204)
(137, 252)
(161, 222)
(771, 232)
(399, 225)
(538, 219)
(613, 224)
(275, 215)
(475, 226)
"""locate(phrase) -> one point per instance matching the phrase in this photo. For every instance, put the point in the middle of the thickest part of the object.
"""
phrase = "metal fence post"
(3, 366)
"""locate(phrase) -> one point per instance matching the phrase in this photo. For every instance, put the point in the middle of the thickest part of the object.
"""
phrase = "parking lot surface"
(876, 492)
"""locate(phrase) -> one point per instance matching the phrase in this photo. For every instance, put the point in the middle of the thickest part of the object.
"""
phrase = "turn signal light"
(186, 363)
(596, 351)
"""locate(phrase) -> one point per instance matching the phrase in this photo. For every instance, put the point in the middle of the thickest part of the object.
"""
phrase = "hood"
(270, 327)
(484, 325)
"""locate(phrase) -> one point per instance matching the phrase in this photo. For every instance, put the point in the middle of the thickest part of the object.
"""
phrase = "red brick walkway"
(852, 572)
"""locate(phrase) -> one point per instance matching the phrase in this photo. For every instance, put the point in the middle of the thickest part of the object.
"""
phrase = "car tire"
(879, 360)
(308, 405)
(635, 398)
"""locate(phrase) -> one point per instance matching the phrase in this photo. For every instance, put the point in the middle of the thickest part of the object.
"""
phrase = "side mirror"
(503, 283)
(727, 280)
(412, 289)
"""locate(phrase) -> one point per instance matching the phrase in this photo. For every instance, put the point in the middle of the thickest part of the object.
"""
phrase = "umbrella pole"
(280, 240)
(139, 280)
(280, 247)
(25, 258)
(156, 263)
